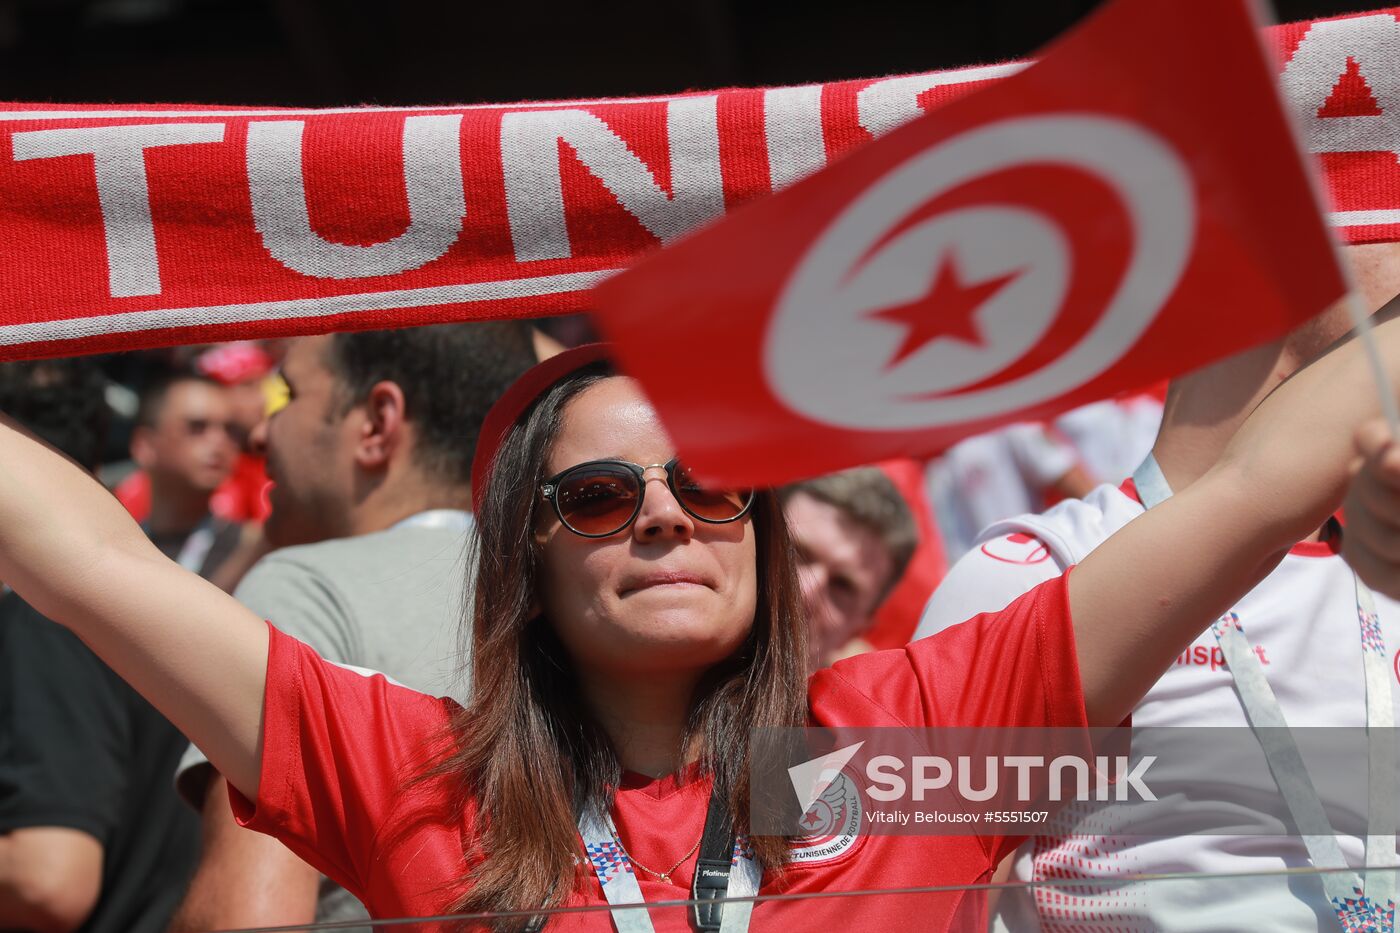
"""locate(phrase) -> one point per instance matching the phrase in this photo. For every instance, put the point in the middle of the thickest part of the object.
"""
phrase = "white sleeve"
(986, 579)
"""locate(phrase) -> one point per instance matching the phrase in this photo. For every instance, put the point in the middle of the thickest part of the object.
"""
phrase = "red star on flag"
(948, 309)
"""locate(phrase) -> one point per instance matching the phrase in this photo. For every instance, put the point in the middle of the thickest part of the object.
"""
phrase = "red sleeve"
(1013, 668)
(339, 747)
(1016, 667)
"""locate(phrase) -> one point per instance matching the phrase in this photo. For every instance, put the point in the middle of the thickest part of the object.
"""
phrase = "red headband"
(517, 400)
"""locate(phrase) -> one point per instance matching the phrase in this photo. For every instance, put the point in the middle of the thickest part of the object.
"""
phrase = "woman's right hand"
(1371, 541)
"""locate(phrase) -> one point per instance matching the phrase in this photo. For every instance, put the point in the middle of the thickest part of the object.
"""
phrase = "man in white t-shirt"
(1302, 627)
(999, 474)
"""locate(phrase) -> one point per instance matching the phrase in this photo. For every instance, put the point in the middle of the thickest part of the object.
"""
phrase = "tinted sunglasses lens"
(709, 504)
(598, 499)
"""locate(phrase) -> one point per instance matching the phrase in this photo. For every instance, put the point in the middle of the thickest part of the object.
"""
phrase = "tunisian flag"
(1105, 218)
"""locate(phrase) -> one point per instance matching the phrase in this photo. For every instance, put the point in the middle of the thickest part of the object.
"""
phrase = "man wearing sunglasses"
(184, 444)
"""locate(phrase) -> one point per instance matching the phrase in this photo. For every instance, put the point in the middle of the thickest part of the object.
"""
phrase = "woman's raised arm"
(70, 550)
(1146, 593)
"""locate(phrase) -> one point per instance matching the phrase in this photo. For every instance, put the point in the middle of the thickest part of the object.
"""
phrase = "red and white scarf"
(138, 226)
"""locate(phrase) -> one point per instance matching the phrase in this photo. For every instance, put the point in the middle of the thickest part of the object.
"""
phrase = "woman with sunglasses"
(631, 626)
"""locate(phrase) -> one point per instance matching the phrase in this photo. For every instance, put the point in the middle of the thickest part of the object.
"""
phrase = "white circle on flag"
(831, 358)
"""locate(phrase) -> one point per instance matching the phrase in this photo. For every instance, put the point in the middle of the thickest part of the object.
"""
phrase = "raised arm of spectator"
(76, 556)
(1371, 543)
(1154, 585)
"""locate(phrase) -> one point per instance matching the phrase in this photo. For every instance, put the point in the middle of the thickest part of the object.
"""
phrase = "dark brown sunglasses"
(599, 498)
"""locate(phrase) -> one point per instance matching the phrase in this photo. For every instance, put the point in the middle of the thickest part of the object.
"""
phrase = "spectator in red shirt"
(628, 635)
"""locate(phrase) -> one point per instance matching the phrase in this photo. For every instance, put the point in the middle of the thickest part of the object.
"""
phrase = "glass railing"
(1285, 899)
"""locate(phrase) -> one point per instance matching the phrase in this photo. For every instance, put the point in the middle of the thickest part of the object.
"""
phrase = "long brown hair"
(528, 755)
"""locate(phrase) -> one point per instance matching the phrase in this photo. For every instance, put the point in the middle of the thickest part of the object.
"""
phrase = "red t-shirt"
(340, 748)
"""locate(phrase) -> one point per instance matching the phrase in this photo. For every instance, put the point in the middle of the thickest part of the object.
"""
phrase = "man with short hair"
(183, 443)
(1293, 651)
(92, 838)
(371, 462)
(853, 536)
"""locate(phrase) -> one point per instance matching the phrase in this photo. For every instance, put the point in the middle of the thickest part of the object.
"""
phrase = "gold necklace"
(663, 876)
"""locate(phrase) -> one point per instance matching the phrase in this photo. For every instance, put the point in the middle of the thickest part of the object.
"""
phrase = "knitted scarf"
(140, 226)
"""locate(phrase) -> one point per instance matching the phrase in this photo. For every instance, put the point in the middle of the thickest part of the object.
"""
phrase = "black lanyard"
(712, 868)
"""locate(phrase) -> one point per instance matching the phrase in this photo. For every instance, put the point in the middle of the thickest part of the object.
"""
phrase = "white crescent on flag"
(834, 314)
